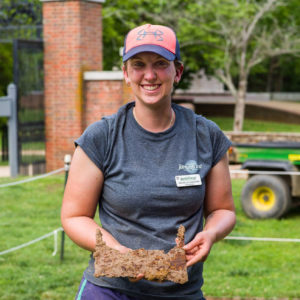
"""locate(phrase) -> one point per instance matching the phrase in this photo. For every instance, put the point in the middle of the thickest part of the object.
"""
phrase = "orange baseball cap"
(159, 39)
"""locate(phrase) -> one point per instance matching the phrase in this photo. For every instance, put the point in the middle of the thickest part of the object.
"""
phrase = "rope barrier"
(242, 238)
(32, 179)
(264, 172)
(263, 239)
(231, 171)
(54, 232)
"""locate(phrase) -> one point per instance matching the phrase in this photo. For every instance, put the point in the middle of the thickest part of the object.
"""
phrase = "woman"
(135, 163)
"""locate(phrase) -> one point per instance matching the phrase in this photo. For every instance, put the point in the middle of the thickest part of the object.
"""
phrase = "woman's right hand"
(137, 278)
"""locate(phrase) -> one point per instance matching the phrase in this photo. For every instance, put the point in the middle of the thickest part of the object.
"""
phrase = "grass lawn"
(226, 124)
(234, 268)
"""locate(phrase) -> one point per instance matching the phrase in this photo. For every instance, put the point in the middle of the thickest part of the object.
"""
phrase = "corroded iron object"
(154, 264)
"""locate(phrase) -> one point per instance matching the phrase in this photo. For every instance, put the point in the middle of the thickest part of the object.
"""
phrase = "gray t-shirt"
(141, 204)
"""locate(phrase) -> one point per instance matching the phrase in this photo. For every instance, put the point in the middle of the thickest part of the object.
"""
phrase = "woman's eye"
(162, 63)
(138, 64)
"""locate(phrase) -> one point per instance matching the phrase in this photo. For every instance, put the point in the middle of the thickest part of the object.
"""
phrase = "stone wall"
(252, 111)
(255, 137)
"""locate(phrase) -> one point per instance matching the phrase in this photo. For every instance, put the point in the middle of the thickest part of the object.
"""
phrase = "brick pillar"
(72, 45)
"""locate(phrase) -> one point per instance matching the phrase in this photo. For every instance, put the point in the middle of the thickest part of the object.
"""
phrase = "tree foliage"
(20, 12)
(232, 39)
(228, 38)
(247, 33)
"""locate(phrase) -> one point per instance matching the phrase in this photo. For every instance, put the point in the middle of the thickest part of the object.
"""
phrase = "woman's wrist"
(212, 234)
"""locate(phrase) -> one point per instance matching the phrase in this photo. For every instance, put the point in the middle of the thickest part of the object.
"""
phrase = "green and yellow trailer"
(273, 183)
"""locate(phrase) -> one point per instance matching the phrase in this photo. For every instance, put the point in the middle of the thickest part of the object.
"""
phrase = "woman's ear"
(179, 71)
(126, 78)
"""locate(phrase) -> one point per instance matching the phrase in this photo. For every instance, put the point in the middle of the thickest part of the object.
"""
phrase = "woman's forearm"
(82, 231)
(220, 223)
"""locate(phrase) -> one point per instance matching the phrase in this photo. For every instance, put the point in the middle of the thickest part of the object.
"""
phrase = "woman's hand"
(137, 278)
(198, 249)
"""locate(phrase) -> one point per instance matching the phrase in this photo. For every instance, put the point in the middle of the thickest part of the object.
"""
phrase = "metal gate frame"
(20, 44)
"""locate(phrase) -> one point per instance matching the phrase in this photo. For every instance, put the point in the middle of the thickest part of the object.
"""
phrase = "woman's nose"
(150, 73)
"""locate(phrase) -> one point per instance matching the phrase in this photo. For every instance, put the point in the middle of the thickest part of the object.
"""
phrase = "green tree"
(228, 38)
(20, 12)
(279, 73)
(242, 34)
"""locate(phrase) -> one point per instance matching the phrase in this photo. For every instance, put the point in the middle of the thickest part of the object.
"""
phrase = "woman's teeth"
(150, 87)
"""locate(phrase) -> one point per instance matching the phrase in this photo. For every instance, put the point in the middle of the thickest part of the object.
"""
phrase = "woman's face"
(151, 77)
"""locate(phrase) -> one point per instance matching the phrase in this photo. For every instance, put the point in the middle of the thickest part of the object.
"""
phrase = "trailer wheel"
(265, 196)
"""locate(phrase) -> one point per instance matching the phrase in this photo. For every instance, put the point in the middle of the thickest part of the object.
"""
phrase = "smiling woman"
(150, 168)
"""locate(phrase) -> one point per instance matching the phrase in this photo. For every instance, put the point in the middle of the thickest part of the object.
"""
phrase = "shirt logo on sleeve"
(190, 166)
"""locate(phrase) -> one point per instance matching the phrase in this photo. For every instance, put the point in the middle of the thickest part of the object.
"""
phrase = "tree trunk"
(239, 111)
(274, 64)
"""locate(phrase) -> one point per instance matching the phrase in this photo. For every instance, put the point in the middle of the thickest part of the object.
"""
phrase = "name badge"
(188, 180)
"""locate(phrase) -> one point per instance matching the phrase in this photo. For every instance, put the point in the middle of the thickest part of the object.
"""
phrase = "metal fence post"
(67, 161)
(13, 131)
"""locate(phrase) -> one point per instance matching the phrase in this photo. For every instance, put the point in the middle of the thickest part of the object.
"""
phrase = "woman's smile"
(151, 87)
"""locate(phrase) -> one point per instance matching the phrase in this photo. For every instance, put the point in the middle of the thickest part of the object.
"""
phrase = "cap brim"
(150, 48)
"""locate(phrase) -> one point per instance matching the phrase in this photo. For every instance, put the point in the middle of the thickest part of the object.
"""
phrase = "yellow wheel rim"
(263, 198)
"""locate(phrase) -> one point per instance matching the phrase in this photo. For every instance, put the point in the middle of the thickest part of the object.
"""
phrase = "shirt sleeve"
(219, 141)
(94, 142)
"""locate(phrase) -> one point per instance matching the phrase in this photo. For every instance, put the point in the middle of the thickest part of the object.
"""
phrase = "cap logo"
(157, 34)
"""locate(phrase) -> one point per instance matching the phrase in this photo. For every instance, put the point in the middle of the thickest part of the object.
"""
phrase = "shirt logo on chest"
(190, 166)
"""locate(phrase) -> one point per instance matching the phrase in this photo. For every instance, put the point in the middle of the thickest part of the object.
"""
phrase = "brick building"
(77, 93)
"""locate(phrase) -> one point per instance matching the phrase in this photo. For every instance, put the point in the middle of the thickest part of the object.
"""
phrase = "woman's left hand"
(198, 249)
